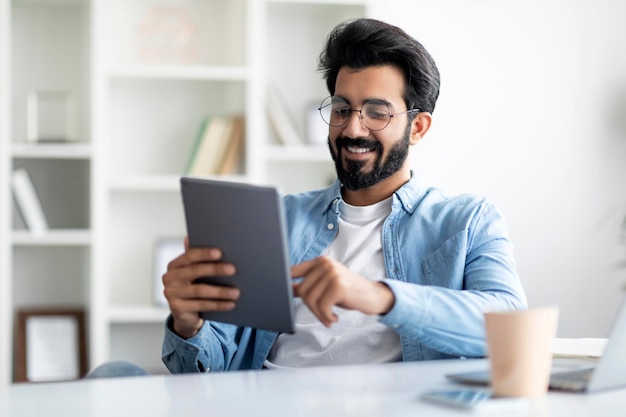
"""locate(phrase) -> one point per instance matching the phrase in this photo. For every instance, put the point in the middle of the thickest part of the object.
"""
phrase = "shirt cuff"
(409, 303)
(193, 358)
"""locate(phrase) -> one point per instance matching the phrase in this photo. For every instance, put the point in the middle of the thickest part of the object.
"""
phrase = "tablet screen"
(247, 223)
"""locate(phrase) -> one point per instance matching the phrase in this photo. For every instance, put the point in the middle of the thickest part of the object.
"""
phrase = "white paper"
(52, 350)
(578, 348)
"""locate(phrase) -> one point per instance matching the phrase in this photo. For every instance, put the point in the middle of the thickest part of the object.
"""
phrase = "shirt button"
(330, 226)
(409, 205)
(395, 325)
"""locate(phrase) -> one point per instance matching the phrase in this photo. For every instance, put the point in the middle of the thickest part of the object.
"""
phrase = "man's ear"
(419, 126)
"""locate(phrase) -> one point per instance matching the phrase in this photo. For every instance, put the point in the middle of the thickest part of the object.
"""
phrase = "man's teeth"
(354, 149)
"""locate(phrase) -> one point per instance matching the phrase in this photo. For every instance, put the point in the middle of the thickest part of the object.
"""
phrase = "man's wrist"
(388, 299)
(184, 333)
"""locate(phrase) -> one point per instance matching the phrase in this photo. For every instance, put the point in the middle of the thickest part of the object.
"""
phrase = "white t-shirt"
(356, 337)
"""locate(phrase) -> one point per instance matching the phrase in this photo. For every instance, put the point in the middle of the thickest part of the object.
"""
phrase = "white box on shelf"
(51, 117)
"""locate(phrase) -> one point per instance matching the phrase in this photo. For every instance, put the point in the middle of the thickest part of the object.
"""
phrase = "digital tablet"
(247, 223)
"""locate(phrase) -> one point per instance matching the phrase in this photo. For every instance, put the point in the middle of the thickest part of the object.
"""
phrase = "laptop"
(248, 224)
(609, 371)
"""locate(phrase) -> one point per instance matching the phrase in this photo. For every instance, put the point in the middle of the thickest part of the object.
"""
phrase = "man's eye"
(341, 112)
(377, 113)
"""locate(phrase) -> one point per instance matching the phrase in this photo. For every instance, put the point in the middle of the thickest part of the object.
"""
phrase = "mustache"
(344, 142)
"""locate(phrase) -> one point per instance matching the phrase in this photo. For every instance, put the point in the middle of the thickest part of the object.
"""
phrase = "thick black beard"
(352, 178)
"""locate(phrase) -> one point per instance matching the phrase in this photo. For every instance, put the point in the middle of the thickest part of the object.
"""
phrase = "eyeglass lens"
(335, 111)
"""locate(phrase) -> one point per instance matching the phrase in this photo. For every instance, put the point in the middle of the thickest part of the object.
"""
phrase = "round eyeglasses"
(374, 114)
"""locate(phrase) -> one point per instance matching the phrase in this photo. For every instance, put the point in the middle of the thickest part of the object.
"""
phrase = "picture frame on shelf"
(165, 250)
(51, 345)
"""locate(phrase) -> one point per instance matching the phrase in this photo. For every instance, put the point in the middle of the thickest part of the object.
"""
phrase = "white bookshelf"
(142, 103)
(6, 283)
(202, 72)
(48, 151)
(44, 47)
(58, 237)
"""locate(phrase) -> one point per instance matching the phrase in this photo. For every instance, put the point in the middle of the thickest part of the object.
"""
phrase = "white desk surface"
(372, 390)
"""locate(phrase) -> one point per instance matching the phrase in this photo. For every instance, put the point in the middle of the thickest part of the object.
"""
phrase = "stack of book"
(218, 147)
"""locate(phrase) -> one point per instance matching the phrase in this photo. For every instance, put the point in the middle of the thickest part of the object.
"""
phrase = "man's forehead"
(381, 82)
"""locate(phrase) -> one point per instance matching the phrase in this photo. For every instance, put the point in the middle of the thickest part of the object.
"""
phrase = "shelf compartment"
(50, 52)
(154, 123)
(63, 187)
(194, 32)
(138, 221)
(58, 278)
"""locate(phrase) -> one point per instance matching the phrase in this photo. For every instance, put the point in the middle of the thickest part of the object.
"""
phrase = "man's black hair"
(368, 42)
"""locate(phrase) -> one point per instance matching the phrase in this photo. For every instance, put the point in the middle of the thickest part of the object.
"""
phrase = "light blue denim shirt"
(447, 261)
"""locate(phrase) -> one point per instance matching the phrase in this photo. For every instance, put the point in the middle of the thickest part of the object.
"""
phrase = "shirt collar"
(409, 195)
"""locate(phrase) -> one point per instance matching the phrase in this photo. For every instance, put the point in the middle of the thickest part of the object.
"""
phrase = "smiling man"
(388, 269)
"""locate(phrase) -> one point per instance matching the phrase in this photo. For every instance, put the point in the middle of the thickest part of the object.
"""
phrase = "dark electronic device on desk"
(460, 398)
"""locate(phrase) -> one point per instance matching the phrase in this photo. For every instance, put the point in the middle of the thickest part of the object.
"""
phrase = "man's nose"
(354, 127)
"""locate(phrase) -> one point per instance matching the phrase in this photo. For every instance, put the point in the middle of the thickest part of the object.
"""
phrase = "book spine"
(203, 159)
(234, 149)
(196, 144)
(285, 130)
(28, 202)
(218, 150)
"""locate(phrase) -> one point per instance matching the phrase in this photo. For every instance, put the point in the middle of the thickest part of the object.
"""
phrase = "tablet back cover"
(247, 223)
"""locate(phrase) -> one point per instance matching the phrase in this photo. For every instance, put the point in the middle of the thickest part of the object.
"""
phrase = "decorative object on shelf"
(50, 117)
(317, 130)
(165, 250)
(285, 130)
(50, 345)
(28, 202)
(218, 146)
(167, 35)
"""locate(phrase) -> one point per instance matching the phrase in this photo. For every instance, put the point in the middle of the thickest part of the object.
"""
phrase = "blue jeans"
(116, 369)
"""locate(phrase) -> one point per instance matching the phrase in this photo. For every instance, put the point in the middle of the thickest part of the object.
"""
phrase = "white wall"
(528, 91)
